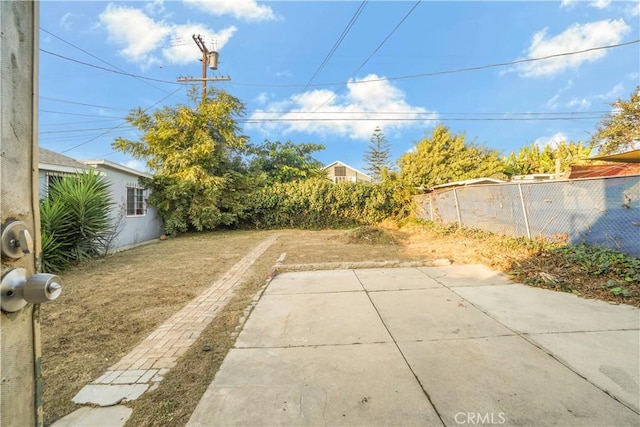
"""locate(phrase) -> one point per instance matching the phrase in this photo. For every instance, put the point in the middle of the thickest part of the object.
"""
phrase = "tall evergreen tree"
(378, 154)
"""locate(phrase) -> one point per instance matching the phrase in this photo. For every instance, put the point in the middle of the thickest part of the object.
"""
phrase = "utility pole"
(210, 58)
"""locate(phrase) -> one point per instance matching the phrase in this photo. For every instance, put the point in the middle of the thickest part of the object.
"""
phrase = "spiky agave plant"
(82, 227)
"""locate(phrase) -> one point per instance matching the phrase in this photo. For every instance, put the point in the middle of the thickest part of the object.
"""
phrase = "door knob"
(16, 290)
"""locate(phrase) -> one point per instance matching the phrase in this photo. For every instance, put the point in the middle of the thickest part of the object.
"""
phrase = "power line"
(334, 94)
(79, 114)
(73, 130)
(118, 126)
(388, 36)
(438, 73)
(523, 113)
(337, 44)
(78, 123)
(411, 119)
(99, 59)
(82, 103)
(110, 70)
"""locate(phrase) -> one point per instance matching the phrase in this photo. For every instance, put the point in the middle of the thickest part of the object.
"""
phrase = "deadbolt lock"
(16, 240)
(16, 290)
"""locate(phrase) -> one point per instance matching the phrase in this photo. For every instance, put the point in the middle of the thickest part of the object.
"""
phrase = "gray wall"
(598, 211)
(134, 229)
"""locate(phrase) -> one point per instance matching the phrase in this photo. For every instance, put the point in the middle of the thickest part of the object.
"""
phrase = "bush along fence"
(598, 211)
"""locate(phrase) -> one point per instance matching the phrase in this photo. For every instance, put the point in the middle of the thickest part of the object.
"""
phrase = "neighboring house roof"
(116, 166)
(338, 163)
(475, 181)
(52, 161)
(632, 156)
(597, 171)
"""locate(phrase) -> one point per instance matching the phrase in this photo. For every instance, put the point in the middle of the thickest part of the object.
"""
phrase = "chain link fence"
(598, 211)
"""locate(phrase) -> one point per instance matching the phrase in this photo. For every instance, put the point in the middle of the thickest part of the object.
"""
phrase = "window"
(135, 201)
(340, 171)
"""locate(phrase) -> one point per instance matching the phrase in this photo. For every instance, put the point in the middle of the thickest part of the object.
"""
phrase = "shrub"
(75, 220)
(318, 203)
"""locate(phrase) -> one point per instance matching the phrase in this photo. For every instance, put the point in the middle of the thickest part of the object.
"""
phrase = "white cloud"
(67, 20)
(614, 93)
(633, 9)
(552, 103)
(248, 10)
(155, 6)
(568, 4)
(552, 140)
(354, 114)
(144, 39)
(600, 4)
(575, 38)
(262, 98)
(579, 103)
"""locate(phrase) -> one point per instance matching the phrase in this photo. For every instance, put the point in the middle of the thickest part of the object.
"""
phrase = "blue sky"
(273, 52)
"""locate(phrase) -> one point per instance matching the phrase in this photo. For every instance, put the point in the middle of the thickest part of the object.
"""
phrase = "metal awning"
(627, 157)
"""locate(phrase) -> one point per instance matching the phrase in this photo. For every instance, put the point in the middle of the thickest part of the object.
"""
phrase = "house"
(136, 222)
(341, 172)
(53, 166)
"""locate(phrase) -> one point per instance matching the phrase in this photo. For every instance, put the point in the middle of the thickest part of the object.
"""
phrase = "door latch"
(16, 290)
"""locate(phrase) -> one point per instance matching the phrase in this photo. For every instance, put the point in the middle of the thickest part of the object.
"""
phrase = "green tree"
(378, 154)
(533, 159)
(442, 158)
(195, 156)
(621, 131)
(285, 162)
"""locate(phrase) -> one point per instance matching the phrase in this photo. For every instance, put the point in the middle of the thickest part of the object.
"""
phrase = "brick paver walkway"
(148, 362)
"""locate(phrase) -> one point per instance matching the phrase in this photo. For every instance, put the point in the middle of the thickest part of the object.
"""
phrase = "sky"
(329, 72)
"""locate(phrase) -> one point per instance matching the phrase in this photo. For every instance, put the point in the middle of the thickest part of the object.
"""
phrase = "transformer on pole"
(209, 59)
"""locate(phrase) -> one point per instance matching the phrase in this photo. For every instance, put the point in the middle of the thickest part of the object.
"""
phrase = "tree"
(442, 158)
(621, 131)
(285, 162)
(377, 156)
(195, 156)
(533, 159)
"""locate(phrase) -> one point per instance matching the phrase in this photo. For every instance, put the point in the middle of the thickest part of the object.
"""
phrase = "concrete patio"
(459, 345)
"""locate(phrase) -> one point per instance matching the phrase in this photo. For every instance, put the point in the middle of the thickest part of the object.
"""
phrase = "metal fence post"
(524, 211)
(455, 197)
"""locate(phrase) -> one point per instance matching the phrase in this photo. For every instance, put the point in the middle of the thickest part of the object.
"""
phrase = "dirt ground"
(110, 304)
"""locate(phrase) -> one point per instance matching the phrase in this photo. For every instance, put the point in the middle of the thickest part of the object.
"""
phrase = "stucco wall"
(133, 229)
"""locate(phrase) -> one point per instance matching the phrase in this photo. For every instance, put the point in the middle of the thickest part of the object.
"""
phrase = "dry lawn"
(109, 305)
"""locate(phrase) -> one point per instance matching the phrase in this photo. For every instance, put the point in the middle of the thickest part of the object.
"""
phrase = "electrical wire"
(73, 130)
(439, 73)
(79, 114)
(118, 126)
(334, 94)
(335, 46)
(100, 59)
(124, 73)
(82, 103)
(410, 119)
(388, 36)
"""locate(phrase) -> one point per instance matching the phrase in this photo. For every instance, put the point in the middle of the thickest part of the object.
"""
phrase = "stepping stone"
(113, 416)
(109, 394)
